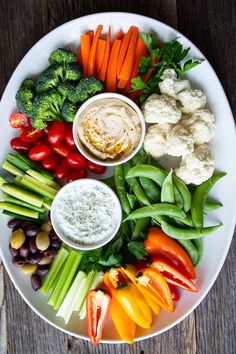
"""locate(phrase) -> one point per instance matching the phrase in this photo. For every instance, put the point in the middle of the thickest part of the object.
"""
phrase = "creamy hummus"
(109, 128)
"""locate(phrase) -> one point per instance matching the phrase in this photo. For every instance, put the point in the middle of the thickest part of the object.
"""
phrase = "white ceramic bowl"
(224, 146)
(85, 151)
(64, 192)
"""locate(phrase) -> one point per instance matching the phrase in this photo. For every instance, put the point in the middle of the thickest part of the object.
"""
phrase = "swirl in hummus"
(109, 128)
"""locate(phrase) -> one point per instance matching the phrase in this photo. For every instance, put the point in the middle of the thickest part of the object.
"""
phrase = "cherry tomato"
(19, 145)
(69, 139)
(49, 124)
(62, 149)
(76, 174)
(39, 152)
(174, 292)
(18, 120)
(76, 160)
(62, 170)
(51, 162)
(29, 134)
(42, 140)
(98, 169)
(56, 133)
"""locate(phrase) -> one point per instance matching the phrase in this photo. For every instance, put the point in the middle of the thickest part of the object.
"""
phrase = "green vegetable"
(39, 177)
(87, 88)
(12, 169)
(78, 306)
(189, 247)
(199, 198)
(17, 162)
(187, 234)
(68, 111)
(9, 199)
(121, 189)
(49, 279)
(13, 208)
(47, 204)
(14, 215)
(72, 72)
(140, 226)
(34, 166)
(25, 96)
(199, 247)
(155, 210)
(210, 206)
(133, 201)
(184, 193)
(152, 172)
(68, 91)
(62, 56)
(150, 189)
(65, 279)
(110, 181)
(22, 194)
(137, 249)
(49, 78)
(38, 187)
(2, 181)
(167, 190)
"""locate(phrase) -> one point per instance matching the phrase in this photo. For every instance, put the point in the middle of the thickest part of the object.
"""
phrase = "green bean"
(135, 185)
(187, 234)
(120, 188)
(154, 210)
(199, 198)
(199, 247)
(154, 173)
(140, 226)
(150, 189)
(210, 206)
(167, 190)
(184, 192)
(190, 249)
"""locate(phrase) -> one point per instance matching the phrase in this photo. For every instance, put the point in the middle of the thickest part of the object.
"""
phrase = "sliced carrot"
(100, 54)
(111, 69)
(79, 56)
(119, 35)
(103, 70)
(91, 33)
(92, 53)
(123, 49)
(85, 50)
(128, 64)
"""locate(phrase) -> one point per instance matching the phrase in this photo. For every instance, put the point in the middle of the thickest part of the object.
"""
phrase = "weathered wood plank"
(3, 321)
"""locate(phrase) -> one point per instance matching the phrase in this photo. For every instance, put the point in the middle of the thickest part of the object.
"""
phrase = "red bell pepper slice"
(172, 274)
(97, 311)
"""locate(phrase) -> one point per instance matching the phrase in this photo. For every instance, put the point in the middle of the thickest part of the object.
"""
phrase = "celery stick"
(35, 166)
(64, 282)
(17, 180)
(48, 280)
(47, 204)
(97, 281)
(39, 177)
(14, 215)
(22, 194)
(14, 160)
(2, 181)
(12, 169)
(81, 300)
(9, 199)
(38, 187)
(67, 306)
(19, 210)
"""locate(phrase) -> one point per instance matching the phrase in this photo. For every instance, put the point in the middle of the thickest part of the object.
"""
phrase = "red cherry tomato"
(174, 292)
(62, 170)
(76, 174)
(56, 133)
(62, 149)
(51, 162)
(69, 139)
(98, 169)
(42, 140)
(49, 124)
(18, 145)
(39, 153)
(18, 120)
(29, 134)
(76, 160)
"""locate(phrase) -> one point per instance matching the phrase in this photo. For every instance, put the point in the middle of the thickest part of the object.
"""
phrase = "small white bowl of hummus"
(109, 129)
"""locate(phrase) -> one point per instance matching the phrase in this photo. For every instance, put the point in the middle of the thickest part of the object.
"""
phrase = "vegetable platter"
(215, 245)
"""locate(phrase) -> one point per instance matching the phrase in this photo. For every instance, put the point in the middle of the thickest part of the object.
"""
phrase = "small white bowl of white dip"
(86, 214)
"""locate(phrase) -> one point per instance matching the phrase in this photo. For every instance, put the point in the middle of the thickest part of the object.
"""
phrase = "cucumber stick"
(14, 160)
(81, 300)
(69, 269)
(9, 199)
(47, 204)
(22, 194)
(39, 177)
(34, 166)
(14, 215)
(38, 187)
(12, 169)
(19, 210)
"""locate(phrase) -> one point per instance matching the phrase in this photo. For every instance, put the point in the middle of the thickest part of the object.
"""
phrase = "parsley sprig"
(169, 55)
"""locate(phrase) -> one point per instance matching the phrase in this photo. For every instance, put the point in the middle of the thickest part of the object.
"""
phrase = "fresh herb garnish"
(122, 285)
(137, 249)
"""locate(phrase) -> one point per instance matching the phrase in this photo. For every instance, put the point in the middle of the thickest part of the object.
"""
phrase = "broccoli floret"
(62, 56)
(49, 78)
(73, 72)
(88, 87)
(68, 90)
(46, 107)
(24, 97)
(68, 111)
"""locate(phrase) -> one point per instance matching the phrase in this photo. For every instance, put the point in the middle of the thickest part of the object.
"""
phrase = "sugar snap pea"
(150, 188)
(210, 206)
(154, 173)
(156, 209)
(120, 188)
(199, 198)
(140, 226)
(187, 234)
(133, 201)
(199, 247)
(190, 249)
(184, 192)
(167, 190)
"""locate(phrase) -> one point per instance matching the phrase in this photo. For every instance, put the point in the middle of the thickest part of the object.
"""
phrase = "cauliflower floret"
(170, 85)
(155, 140)
(202, 125)
(160, 109)
(191, 100)
(179, 141)
(197, 167)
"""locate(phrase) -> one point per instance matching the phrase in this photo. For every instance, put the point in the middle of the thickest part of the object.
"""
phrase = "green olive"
(46, 227)
(17, 239)
(42, 241)
(29, 268)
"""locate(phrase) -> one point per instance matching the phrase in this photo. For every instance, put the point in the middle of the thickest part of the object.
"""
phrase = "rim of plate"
(233, 220)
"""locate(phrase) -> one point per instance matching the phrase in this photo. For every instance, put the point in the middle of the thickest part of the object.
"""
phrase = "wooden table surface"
(211, 25)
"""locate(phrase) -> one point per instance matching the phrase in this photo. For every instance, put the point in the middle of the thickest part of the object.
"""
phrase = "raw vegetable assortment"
(160, 239)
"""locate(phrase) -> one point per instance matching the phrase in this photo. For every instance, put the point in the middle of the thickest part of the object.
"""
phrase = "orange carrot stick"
(92, 54)
(103, 70)
(119, 35)
(91, 33)
(123, 49)
(128, 64)
(100, 54)
(85, 50)
(111, 69)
